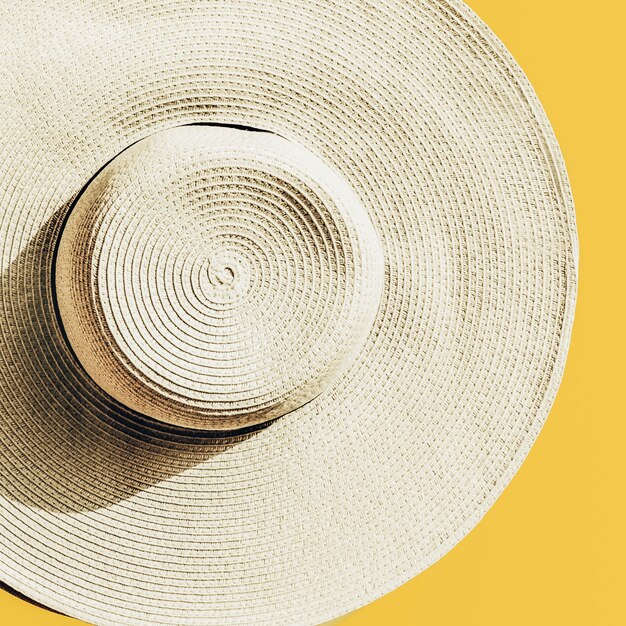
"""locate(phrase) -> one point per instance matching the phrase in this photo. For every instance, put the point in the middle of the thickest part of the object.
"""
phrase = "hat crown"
(217, 278)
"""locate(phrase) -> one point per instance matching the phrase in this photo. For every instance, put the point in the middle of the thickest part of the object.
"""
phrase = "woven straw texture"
(387, 274)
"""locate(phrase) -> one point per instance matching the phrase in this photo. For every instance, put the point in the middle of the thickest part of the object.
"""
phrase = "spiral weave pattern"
(216, 278)
(421, 401)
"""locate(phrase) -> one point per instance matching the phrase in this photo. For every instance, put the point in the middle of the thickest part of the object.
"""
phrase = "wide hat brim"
(111, 517)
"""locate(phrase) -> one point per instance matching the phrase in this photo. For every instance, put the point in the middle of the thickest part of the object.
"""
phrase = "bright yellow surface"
(551, 550)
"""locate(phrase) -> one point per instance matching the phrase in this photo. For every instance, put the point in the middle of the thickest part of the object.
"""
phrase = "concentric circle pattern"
(432, 397)
(216, 278)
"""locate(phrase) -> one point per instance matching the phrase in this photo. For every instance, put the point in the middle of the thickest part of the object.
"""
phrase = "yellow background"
(551, 550)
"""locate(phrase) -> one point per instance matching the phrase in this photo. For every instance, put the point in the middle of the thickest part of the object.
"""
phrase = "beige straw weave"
(287, 290)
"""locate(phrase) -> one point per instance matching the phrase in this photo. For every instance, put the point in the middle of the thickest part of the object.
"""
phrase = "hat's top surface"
(217, 278)
(404, 146)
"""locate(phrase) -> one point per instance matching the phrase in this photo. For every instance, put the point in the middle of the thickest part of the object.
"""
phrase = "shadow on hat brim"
(72, 447)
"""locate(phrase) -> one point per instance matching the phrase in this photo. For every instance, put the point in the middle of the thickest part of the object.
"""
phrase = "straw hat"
(287, 290)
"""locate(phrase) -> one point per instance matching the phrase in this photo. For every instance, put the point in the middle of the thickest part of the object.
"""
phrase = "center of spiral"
(223, 277)
(217, 278)
(227, 277)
